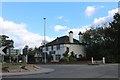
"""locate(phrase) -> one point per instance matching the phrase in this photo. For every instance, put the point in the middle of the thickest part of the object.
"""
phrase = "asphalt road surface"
(75, 71)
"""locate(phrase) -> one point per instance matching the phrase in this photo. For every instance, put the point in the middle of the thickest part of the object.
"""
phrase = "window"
(51, 47)
(58, 57)
(52, 52)
(46, 48)
(41, 50)
(58, 47)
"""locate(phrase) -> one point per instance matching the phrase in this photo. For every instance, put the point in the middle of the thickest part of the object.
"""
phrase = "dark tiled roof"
(62, 40)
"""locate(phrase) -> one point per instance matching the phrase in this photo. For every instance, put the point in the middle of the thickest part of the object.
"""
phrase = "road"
(75, 71)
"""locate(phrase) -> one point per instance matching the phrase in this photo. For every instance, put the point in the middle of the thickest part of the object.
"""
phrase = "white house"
(58, 46)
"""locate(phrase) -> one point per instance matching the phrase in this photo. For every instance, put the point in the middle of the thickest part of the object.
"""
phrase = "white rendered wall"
(77, 49)
(59, 51)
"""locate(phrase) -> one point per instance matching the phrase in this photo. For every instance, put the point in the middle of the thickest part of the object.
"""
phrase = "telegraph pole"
(44, 39)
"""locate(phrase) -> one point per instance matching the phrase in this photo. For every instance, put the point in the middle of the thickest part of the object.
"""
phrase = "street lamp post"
(44, 38)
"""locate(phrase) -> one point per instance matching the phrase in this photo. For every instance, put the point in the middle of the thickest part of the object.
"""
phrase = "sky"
(23, 21)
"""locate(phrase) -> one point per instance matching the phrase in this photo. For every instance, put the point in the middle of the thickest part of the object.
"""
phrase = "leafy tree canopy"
(104, 41)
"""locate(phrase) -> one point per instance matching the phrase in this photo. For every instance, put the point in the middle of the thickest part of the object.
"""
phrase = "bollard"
(103, 60)
(92, 60)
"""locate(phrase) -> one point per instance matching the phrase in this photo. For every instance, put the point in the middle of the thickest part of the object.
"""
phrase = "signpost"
(1, 50)
(2, 53)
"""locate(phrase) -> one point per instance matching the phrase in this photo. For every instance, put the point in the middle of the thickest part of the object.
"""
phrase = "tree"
(31, 53)
(72, 57)
(49, 57)
(25, 54)
(104, 41)
(8, 43)
(25, 50)
(115, 32)
(93, 38)
(66, 52)
(65, 56)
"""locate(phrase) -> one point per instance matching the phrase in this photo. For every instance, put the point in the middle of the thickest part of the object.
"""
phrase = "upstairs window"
(51, 47)
(58, 47)
(46, 48)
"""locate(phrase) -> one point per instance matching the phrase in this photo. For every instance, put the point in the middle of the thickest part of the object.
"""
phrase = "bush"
(82, 59)
(65, 59)
(72, 59)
